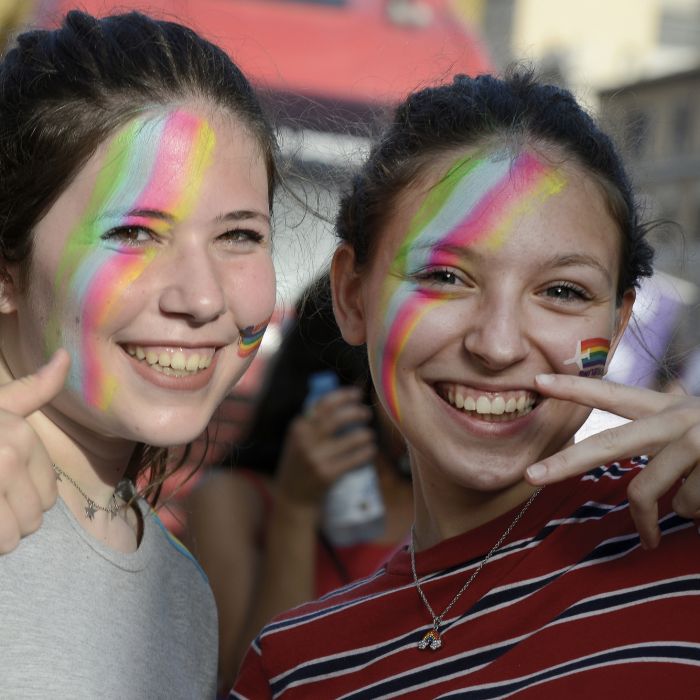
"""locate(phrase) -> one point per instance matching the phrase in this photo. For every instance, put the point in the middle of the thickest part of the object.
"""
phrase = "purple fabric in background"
(658, 311)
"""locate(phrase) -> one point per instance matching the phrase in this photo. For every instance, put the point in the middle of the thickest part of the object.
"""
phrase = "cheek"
(410, 327)
(251, 292)
(576, 345)
(100, 292)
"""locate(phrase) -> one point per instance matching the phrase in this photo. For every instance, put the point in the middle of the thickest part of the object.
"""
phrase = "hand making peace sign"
(666, 427)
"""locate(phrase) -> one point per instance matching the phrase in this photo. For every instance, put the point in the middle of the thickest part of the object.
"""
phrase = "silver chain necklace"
(433, 639)
(91, 508)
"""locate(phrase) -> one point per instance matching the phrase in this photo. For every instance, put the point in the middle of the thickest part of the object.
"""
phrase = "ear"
(346, 287)
(8, 288)
(623, 314)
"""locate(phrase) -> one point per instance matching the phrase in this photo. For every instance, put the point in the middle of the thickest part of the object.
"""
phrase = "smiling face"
(493, 269)
(152, 268)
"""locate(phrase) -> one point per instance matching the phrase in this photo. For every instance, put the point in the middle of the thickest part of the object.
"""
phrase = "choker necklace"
(432, 639)
(91, 508)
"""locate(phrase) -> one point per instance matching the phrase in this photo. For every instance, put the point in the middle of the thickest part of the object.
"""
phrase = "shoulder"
(169, 547)
(340, 609)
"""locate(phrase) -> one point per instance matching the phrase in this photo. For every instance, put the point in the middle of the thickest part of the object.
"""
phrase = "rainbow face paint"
(150, 178)
(591, 357)
(250, 339)
(476, 204)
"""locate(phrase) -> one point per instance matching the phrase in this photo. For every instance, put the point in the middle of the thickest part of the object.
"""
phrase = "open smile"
(173, 361)
(490, 406)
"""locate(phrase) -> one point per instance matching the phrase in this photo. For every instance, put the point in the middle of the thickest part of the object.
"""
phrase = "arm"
(225, 518)
(227, 522)
(314, 455)
(27, 480)
(666, 427)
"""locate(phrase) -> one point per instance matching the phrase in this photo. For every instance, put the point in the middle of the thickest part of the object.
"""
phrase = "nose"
(496, 335)
(193, 288)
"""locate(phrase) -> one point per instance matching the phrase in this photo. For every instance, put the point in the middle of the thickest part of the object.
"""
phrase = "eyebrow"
(567, 260)
(237, 215)
(578, 259)
(243, 215)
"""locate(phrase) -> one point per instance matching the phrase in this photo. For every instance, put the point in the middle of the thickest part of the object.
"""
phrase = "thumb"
(27, 394)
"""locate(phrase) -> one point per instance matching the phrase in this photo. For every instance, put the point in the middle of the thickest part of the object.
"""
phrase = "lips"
(489, 405)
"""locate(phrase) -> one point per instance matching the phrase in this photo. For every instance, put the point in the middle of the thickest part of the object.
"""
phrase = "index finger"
(627, 401)
(28, 394)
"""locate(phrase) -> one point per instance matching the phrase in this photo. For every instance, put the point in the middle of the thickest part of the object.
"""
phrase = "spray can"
(353, 510)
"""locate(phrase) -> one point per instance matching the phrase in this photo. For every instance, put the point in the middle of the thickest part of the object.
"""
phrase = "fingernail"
(544, 379)
(536, 472)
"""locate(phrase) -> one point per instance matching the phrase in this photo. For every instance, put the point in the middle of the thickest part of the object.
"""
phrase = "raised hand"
(27, 480)
(318, 447)
(666, 427)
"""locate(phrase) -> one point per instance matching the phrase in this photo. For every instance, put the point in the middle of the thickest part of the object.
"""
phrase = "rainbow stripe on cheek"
(158, 164)
(476, 203)
(250, 339)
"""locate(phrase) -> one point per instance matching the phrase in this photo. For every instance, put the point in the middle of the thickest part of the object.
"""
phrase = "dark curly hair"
(484, 111)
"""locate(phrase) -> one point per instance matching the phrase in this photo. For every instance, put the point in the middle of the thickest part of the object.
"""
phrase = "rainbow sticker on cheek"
(155, 163)
(476, 203)
(250, 339)
(591, 357)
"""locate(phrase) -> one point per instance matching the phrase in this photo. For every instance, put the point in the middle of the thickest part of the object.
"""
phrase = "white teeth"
(498, 406)
(178, 361)
(483, 405)
(486, 406)
(172, 363)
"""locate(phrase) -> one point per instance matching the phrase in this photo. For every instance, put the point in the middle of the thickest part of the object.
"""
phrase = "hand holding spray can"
(353, 510)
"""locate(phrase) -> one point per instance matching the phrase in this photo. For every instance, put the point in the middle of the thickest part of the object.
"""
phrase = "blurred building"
(590, 45)
(657, 122)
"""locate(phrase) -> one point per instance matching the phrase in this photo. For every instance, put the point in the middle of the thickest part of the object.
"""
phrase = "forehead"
(496, 200)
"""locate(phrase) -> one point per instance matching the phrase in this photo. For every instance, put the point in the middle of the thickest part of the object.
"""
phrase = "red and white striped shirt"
(569, 607)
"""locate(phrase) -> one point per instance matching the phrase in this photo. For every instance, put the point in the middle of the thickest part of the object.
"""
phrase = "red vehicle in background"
(353, 52)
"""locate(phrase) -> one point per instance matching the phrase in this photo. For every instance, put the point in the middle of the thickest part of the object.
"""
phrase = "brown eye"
(566, 292)
(128, 235)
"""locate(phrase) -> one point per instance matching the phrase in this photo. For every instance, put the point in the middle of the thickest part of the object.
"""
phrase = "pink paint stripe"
(164, 188)
(406, 319)
(104, 289)
(483, 220)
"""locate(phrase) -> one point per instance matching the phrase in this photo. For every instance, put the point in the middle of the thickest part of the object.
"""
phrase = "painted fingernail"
(536, 472)
(545, 379)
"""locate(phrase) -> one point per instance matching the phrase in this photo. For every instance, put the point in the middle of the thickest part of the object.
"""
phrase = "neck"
(444, 510)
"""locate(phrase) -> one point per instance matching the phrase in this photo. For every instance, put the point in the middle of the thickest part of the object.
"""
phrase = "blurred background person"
(255, 522)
